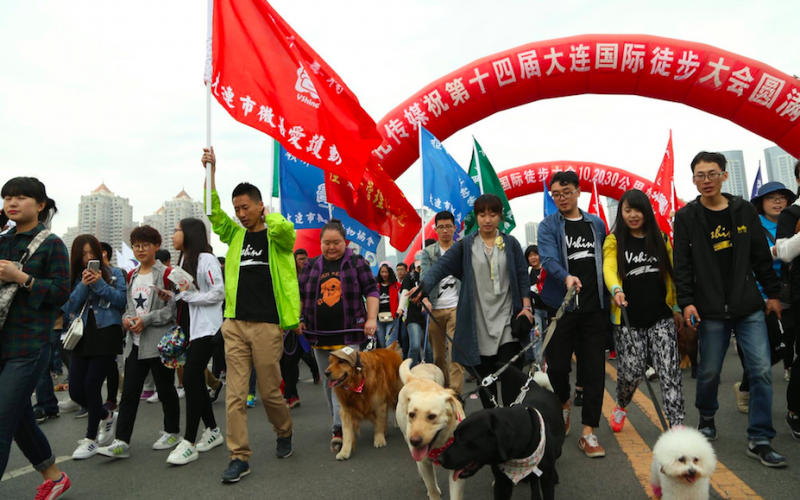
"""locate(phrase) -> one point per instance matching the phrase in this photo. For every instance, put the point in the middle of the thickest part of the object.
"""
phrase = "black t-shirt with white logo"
(720, 225)
(644, 289)
(384, 305)
(582, 263)
(255, 297)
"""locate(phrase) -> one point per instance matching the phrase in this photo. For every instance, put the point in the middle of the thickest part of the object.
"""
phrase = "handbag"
(9, 290)
(75, 332)
(385, 317)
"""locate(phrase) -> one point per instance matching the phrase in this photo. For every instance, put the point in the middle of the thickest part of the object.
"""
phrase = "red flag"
(269, 78)
(377, 203)
(662, 197)
(596, 208)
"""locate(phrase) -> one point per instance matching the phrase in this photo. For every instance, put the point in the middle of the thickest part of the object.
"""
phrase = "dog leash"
(494, 377)
(646, 379)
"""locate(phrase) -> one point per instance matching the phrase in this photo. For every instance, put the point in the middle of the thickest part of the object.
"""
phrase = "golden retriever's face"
(429, 415)
(340, 372)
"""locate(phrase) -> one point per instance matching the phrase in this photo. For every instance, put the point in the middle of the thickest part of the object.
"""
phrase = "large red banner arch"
(751, 94)
(611, 182)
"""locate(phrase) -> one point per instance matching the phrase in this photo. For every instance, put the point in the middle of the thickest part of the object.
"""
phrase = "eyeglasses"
(142, 246)
(177, 229)
(776, 199)
(561, 196)
(446, 227)
(712, 176)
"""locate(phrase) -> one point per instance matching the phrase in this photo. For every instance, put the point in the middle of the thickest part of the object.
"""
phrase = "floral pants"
(660, 342)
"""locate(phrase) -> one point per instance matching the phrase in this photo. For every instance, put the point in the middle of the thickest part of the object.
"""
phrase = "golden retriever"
(367, 384)
(428, 414)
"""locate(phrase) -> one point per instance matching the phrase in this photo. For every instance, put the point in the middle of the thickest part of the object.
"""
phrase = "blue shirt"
(772, 228)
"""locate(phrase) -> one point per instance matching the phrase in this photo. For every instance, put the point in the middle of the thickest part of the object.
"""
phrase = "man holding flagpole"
(262, 301)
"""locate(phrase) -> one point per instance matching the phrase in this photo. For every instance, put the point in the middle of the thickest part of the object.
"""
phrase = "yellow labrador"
(428, 414)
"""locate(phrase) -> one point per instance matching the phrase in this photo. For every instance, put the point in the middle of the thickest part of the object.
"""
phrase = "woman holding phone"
(98, 297)
(199, 316)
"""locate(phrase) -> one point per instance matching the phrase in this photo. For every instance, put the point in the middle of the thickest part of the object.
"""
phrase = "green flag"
(276, 160)
(489, 184)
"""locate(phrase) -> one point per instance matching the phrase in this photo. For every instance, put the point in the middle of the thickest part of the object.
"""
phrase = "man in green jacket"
(262, 301)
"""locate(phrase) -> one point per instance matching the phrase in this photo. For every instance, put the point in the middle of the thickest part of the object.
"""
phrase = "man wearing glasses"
(571, 251)
(719, 249)
(443, 302)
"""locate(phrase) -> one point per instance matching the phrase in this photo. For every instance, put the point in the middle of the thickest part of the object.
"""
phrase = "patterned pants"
(660, 342)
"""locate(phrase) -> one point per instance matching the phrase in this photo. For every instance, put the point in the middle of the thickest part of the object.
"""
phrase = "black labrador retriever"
(496, 436)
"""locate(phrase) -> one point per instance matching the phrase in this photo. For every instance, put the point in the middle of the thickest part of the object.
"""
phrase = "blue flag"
(757, 183)
(549, 204)
(446, 186)
(304, 202)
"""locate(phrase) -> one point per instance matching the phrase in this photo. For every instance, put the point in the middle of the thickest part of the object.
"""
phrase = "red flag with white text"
(662, 197)
(265, 76)
(596, 208)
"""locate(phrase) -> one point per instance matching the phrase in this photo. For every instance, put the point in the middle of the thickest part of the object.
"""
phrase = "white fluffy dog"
(683, 461)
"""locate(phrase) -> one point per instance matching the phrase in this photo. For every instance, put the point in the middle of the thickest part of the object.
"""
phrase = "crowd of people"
(247, 320)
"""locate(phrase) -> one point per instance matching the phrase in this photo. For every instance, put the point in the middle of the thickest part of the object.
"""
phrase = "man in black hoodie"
(720, 251)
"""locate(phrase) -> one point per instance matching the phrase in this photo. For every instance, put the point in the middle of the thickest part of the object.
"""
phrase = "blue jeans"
(383, 331)
(45, 395)
(416, 336)
(18, 377)
(751, 334)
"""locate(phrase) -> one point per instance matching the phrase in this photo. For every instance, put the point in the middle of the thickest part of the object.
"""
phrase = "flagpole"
(330, 212)
(271, 183)
(422, 192)
(208, 78)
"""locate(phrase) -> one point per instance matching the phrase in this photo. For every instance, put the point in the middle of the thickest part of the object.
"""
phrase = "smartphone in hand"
(94, 265)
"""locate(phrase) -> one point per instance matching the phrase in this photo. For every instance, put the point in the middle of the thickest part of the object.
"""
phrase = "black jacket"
(787, 222)
(697, 275)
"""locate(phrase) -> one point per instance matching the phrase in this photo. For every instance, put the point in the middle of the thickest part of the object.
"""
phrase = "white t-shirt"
(141, 292)
(448, 296)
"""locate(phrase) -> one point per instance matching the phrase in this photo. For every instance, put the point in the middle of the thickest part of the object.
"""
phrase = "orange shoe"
(589, 445)
(618, 418)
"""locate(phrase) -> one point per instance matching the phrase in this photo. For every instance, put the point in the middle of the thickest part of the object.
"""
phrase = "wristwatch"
(28, 283)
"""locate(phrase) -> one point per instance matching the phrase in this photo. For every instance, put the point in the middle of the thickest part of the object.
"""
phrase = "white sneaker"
(153, 398)
(166, 441)
(210, 440)
(68, 405)
(87, 448)
(181, 392)
(107, 429)
(117, 449)
(650, 373)
(183, 454)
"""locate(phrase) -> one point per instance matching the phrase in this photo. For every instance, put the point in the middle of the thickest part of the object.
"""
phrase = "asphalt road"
(389, 473)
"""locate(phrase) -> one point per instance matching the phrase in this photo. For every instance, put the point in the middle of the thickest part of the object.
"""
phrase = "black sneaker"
(284, 449)
(42, 415)
(766, 455)
(82, 413)
(794, 423)
(236, 469)
(707, 428)
(578, 397)
(214, 393)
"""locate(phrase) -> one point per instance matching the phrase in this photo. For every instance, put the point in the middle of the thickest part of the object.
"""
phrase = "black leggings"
(218, 363)
(198, 403)
(136, 371)
(489, 365)
(112, 385)
(86, 374)
(290, 371)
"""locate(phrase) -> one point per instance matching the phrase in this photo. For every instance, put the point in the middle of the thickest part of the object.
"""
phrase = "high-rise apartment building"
(737, 177)
(104, 215)
(780, 166)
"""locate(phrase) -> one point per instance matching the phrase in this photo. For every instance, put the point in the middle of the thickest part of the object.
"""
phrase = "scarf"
(520, 468)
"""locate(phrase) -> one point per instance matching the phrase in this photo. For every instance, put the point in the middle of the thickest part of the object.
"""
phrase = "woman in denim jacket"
(99, 298)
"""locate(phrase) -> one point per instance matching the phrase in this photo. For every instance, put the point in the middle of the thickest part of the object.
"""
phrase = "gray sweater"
(159, 318)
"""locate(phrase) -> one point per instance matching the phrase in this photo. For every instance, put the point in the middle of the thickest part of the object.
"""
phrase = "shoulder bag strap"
(34, 245)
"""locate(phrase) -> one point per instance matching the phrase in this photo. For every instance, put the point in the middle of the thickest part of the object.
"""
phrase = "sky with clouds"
(96, 91)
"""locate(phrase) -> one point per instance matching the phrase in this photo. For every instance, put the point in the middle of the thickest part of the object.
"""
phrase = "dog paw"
(380, 442)
(342, 455)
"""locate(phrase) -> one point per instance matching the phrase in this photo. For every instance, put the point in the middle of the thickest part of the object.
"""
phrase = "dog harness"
(520, 468)
(433, 454)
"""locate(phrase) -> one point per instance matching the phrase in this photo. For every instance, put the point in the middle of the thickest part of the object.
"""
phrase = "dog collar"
(357, 389)
(433, 455)
(518, 469)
